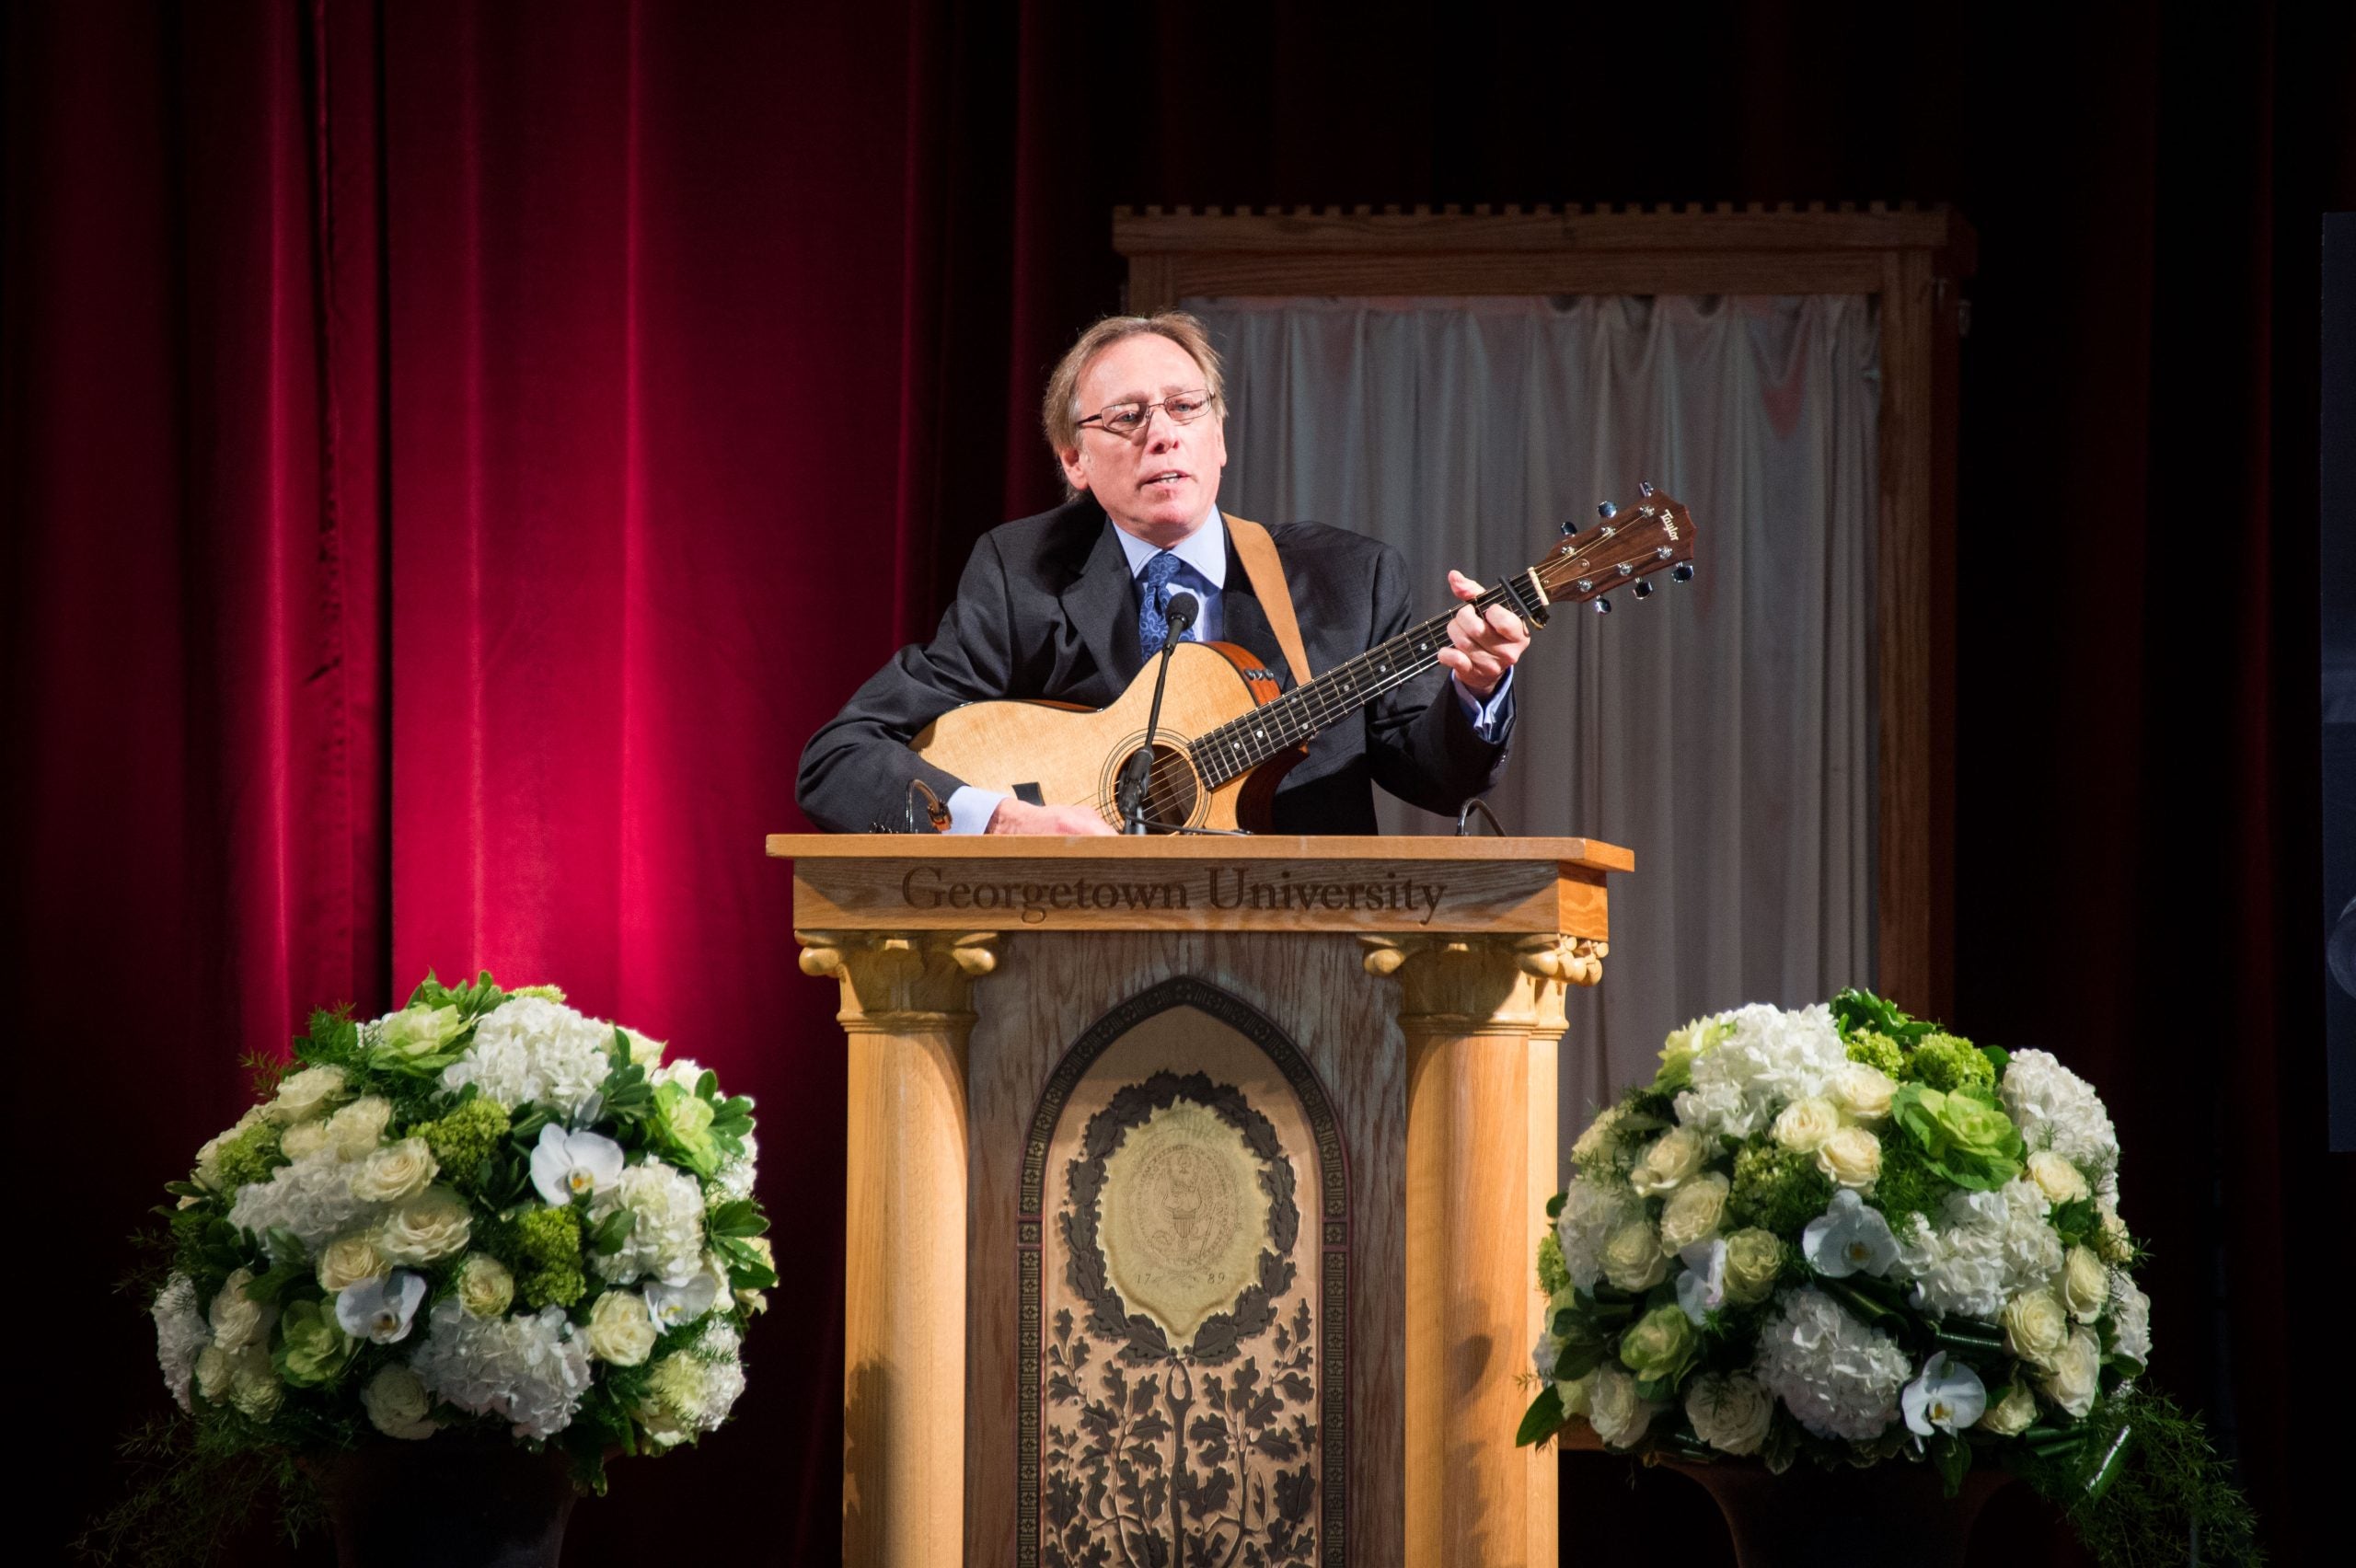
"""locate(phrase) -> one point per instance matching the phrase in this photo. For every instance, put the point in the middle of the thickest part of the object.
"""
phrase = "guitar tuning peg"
(1644, 588)
(1604, 508)
(1645, 488)
(1682, 572)
(1570, 526)
(1603, 606)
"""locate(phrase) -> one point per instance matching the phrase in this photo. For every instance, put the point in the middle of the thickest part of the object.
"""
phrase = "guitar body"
(1059, 755)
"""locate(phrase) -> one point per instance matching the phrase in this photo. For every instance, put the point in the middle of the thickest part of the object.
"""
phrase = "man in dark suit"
(1066, 605)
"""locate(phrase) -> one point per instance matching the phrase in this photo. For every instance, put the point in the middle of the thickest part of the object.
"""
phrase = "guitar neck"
(1293, 719)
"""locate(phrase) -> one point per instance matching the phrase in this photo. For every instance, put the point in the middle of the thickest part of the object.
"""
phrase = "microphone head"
(1181, 612)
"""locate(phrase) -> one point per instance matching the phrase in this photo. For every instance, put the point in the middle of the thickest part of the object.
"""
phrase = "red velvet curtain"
(452, 455)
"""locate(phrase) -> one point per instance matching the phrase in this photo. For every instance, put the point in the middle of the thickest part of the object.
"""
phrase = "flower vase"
(446, 1503)
(1885, 1515)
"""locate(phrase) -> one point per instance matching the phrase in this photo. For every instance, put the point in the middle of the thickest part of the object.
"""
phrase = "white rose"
(432, 1225)
(253, 1383)
(2086, 1285)
(646, 1053)
(1693, 1212)
(305, 1137)
(2037, 1326)
(357, 1128)
(2060, 1181)
(485, 1287)
(1618, 1416)
(1631, 1256)
(1851, 1157)
(1754, 1258)
(237, 1321)
(1804, 1124)
(396, 1172)
(2074, 1375)
(213, 1369)
(1672, 1158)
(398, 1403)
(2112, 1240)
(305, 1094)
(1730, 1412)
(1862, 1091)
(348, 1260)
(2012, 1415)
(620, 1329)
(1578, 1395)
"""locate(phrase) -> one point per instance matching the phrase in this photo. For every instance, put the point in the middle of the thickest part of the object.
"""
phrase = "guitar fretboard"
(1292, 719)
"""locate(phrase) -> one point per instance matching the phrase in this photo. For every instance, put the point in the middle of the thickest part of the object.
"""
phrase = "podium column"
(1482, 1018)
(906, 1008)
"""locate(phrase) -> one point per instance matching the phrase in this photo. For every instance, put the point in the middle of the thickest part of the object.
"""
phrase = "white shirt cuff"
(970, 809)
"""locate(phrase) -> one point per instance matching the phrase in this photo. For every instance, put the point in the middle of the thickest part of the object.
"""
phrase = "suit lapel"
(1100, 606)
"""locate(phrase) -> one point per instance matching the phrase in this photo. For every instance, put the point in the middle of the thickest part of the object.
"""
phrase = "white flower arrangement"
(1841, 1233)
(485, 1211)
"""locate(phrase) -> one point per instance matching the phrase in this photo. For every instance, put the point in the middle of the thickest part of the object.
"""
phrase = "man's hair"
(1059, 411)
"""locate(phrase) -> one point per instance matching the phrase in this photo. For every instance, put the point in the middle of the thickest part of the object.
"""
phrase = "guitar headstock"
(1653, 533)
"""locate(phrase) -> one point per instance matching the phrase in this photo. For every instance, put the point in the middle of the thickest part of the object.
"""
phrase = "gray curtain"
(1723, 729)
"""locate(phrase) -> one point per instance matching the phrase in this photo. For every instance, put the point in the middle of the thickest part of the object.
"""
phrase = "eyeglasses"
(1125, 420)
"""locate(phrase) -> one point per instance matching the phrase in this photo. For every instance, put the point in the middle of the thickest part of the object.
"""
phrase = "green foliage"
(2142, 1484)
(1854, 1010)
(1964, 1135)
(250, 1156)
(542, 1247)
(1543, 1419)
(1775, 1189)
(1553, 1274)
(465, 1139)
(195, 1489)
(1907, 1185)
(1948, 1062)
(1876, 1050)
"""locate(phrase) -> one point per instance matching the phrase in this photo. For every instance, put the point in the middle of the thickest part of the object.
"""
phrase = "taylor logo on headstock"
(1228, 732)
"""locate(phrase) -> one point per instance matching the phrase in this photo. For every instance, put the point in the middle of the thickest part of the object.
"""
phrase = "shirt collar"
(1204, 550)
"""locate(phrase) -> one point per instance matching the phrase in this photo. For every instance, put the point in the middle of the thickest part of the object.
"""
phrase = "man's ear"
(1074, 475)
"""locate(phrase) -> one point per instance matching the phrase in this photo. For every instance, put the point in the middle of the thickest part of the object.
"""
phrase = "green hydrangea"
(1877, 1050)
(1554, 1274)
(1776, 1189)
(1907, 1183)
(544, 1254)
(464, 1139)
(1947, 1062)
(250, 1156)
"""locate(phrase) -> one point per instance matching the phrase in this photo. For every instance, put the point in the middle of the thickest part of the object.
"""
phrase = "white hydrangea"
(1591, 1211)
(182, 1333)
(1987, 1248)
(666, 1241)
(312, 1197)
(734, 1178)
(530, 1369)
(2056, 1109)
(1838, 1376)
(1763, 1058)
(2131, 1318)
(691, 1391)
(529, 1050)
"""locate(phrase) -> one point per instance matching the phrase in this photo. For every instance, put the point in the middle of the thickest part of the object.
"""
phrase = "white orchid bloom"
(381, 1309)
(672, 1304)
(1848, 1238)
(1702, 1288)
(1949, 1397)
(573, 1165)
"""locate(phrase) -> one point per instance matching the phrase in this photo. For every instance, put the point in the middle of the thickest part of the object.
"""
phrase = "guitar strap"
(1258, 553)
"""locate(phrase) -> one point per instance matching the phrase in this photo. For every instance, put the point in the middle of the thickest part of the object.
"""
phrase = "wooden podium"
(1194, 1188)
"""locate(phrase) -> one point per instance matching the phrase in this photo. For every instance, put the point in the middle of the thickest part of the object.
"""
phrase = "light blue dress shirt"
(1202, 570)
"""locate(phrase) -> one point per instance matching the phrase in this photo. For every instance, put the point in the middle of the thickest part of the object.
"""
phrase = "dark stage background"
(451, 456)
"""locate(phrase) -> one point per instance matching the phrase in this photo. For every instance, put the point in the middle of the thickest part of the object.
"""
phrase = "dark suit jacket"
(1047, 609)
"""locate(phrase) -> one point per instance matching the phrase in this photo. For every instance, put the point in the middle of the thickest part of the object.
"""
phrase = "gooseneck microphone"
(1137, 773)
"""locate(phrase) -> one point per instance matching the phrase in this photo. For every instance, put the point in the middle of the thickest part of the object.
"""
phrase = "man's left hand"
(1485, 645)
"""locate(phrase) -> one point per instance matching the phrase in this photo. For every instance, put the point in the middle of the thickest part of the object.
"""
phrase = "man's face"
(1162, 482)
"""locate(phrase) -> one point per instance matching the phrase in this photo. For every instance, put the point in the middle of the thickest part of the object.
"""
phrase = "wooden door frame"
(1910, 260)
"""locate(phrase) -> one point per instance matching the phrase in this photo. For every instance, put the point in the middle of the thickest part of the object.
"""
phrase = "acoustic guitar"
(1229, 732)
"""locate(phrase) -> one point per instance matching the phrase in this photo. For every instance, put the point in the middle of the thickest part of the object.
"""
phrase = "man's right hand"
(1020, 816)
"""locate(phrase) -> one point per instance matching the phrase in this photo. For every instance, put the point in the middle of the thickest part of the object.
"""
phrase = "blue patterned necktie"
(1153, 599)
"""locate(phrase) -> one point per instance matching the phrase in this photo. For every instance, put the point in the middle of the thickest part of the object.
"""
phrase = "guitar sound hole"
(1174, 789)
